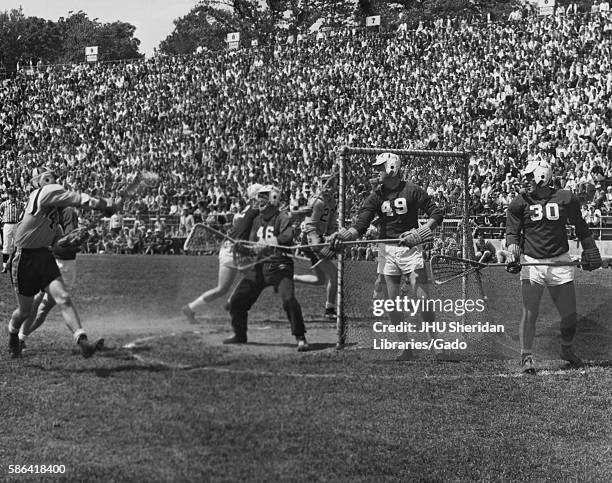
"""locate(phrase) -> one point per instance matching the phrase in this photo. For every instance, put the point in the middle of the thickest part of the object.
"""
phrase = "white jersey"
(322, 218)
(39, 226)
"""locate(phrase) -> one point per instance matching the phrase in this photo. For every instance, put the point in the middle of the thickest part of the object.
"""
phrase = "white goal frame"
(344, 155)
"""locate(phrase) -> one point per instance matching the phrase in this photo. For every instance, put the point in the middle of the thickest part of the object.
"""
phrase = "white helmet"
(391, 162)
(541, 170)
(43, 175)
(328, 183)
(273, 195)
(253, 190)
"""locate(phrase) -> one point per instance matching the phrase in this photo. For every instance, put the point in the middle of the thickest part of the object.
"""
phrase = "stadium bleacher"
(209, 124)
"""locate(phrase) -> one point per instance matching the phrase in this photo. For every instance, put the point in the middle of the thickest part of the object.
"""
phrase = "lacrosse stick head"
(445, 269)
(247, 255)
(139, 180)
(203, 239)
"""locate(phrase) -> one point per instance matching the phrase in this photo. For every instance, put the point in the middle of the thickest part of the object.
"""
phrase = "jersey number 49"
(399, 207)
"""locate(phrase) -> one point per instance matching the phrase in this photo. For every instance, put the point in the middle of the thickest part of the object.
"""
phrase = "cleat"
(4, 270)
(330, 313)
(14, 346)
(302, 345)
(567, 354)
(235, 340)
(88, 349)
(528, 364)
(190, 314)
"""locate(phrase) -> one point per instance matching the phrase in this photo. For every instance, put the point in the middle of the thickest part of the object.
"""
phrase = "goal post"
(435, 171)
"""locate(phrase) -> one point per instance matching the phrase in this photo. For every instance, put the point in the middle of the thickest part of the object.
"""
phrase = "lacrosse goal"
(359, 325)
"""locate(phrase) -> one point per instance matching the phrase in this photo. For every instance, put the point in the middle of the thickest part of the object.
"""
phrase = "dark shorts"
(271, 273)
(32, 270)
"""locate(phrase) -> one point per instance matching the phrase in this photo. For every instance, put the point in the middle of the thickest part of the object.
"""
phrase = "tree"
(210, 21)
(32, 39)
(115, 40)
(208, 24)
(25, 38)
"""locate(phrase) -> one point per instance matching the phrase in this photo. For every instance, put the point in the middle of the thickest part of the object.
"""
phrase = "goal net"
(462, 327)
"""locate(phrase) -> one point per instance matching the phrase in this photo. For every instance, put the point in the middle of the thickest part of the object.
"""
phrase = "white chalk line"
(151, 361)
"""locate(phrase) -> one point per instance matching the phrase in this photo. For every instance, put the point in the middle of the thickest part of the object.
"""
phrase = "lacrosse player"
(33, 267)
(397, 203)
(65, 257)
(321, 221)
(227, 270)
(536, 232)
(270, 227)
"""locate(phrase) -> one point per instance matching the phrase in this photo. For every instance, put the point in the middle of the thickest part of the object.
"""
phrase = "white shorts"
(396, 260)
(547, 275)
(226, 255)
(68, 269)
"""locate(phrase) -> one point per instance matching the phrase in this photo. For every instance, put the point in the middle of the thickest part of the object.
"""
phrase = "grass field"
(179, 406)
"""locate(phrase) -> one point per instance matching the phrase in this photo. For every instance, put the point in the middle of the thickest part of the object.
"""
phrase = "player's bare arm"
(591, 258)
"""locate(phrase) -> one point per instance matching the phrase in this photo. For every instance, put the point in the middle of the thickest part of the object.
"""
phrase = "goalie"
(536, 232)
(270, 227)
(397, 203)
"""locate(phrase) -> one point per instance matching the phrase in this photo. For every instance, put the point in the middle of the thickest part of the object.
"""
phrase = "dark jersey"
(538, 225)
(398, 210)
(272, 222)
(243, 222)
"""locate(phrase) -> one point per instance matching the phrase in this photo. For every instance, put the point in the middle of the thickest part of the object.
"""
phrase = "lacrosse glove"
(343, 234)
(327, 252)
(513, 264)
(75, 239)
(107, 207)
(591, 259)
(416, 236)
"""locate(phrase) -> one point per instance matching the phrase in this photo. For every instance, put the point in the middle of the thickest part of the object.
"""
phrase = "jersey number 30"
(400, 207)
(550, 210)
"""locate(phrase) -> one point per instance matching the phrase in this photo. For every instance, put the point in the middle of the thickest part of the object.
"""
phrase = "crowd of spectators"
(210, 124)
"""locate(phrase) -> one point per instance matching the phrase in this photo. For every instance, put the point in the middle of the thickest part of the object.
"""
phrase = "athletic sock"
(197, 305)
(12, 329)
(79, 336)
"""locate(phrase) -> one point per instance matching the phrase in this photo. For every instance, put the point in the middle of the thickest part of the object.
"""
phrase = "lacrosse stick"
(203, 238)
(445, 268)
(141, 179)
(247, 254)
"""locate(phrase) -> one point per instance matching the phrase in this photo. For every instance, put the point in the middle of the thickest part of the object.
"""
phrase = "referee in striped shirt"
(10, 214)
